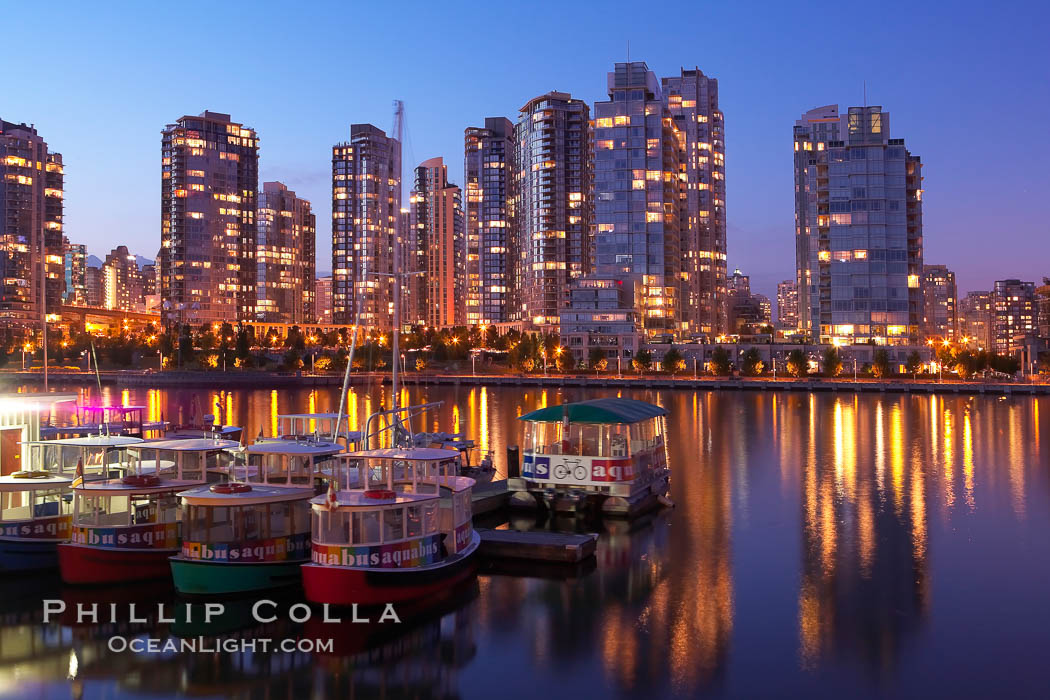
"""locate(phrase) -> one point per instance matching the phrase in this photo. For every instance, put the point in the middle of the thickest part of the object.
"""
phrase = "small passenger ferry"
(252, 532)
(607, 452)
(35, 516)
(125, 528)
(100, 455)
(403, 533)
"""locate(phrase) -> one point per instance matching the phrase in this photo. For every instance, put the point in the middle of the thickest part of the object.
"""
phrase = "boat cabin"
(100, 454)
(593, 442)
(286, 462)
(410, 504)
(297, 426)
(188, 458)
(36, 506)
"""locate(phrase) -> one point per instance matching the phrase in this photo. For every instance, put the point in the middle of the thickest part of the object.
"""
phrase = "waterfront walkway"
(258, 379)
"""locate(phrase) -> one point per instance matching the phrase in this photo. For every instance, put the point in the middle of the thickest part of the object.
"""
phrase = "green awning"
(597, 411)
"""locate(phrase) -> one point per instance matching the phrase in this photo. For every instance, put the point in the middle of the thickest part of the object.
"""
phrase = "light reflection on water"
(822, 544)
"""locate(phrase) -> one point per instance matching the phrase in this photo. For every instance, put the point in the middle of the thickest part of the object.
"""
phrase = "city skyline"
(111, 183)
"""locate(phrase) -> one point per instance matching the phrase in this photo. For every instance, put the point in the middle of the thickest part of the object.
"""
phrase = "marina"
(875, 496)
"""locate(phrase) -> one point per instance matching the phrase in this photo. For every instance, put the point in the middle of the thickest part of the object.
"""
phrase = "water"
(822, 545)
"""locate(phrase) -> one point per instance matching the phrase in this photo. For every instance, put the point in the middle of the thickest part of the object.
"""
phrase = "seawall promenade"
(256, 380)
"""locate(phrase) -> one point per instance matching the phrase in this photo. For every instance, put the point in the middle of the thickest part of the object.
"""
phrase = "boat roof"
(610, 410)
(91, 441)
(117, 486)
(14, 483)
(293, 447)
(113, 408)
(407, 453)
(312, 416)
(30, 401)
(260, 493)
(190, 445)
(358, 498)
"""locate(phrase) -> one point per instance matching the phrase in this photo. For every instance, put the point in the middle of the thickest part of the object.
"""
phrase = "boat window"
(401, 471)
(193, 464)
(414, 521)
(366, 527)
(194, 524)
(280, 515)
(430, 517)
(250, 522)
(333, 526)
(618, 443)
(221, 527)
(528, 443)
(217, 460)
(300, 516)
(376, 477)
(393, 524)
(301, 469)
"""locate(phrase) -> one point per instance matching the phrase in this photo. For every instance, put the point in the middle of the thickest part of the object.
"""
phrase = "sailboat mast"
(399, 115)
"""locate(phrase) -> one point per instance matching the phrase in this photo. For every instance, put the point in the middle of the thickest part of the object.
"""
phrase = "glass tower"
(285, 256)
(637, 184)
(858, 235)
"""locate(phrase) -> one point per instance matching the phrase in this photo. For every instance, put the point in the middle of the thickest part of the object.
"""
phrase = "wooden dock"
(537, 545)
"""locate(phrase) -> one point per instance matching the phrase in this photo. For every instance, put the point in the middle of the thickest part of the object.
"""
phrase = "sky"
(967, 85)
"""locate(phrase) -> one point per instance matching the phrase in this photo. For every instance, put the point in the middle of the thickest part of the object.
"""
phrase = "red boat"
(126, 529)
(406, 533)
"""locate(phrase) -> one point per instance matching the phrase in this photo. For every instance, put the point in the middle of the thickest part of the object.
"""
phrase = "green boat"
(252, 533)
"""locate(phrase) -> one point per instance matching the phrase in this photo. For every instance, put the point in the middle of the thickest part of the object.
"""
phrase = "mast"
(399, 117)
(43, 302)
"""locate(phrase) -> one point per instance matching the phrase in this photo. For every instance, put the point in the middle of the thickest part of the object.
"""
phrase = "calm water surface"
(822, 546)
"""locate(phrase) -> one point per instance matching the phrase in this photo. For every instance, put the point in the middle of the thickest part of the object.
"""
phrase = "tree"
(880, 363)
(564, 360)
(914, 362)
(965, 364)
(797, 363)
(721, 363)
(292, 361)
(421, 364)
(642, 361)
(296, 340)
(751, 362)
(595, 357)
(672, 361)
(243, 350)
(832, 362)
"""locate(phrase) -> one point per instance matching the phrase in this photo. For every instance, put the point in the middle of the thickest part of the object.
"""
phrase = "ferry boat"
(253, 532)
(35, 516)
(99, 455)
(300, 426)
(405, 532)
(609, 453)
(125, 528)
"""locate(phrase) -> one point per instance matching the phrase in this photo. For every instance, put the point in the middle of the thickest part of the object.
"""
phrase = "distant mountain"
(140, 260)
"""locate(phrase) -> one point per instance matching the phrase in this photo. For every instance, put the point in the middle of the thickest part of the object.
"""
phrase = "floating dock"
(537, 545)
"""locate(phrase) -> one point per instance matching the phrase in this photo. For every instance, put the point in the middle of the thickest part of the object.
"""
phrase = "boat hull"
(28, 555)
(80, 564)
(344, 586)
(208, 578)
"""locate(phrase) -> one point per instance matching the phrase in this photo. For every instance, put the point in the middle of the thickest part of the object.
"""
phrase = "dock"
(537, 545)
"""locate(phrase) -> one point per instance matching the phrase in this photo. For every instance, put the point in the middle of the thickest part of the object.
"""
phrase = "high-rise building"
(738, 284)
(489, 168)
(209, 180)
(858, 236)
(977, 319)
(787, 305)
(284, 256)
(602, 315)
(939, 298)
(31, 196)
(436, 247)
(323, 305)
(121, 281)
(366, 210)
(93, 286)
(1015, 315)
(638, 209)
(74, 263)
(1042, 310)
(692, 99)
(554, 211)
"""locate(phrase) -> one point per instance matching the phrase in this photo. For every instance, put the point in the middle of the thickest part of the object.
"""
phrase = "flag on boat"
(331, 499)
(78, 478)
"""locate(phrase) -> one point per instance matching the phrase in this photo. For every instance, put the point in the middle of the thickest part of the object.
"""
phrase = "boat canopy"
(189, 445)
(611, 410)
(92, 441)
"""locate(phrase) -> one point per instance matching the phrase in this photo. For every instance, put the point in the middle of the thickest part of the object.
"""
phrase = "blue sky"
(967, 85)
